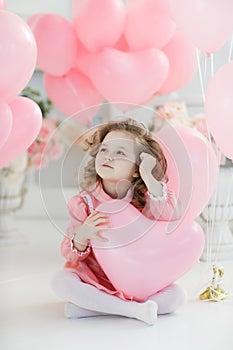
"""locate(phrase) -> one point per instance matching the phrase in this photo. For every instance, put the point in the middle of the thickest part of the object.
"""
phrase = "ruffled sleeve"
(166, 207)
(78, 212)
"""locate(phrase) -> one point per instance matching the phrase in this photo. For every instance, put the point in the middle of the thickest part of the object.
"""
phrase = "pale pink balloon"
(2, 4)
(183, 63)
(219, 107)
(128, 77)
(148, 24)
(73, 93)
(83, 59)
(207, 23)
(99, 23)
(192, 167)
(32, 20)
(5, 122)
(27, 121)
(140, 257)
(17, 55)
(56, 41)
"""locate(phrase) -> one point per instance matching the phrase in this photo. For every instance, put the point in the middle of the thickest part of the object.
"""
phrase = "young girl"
(126, 162)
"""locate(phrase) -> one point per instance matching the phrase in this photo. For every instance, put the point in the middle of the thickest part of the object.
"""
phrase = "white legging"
(87, 300)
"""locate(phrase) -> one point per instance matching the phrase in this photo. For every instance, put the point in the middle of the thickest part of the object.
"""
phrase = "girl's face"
(117, 156)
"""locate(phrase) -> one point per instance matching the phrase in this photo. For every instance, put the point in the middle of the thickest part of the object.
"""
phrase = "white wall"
(26, 8)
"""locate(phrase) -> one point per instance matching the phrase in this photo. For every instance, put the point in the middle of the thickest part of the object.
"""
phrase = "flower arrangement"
(176, 113)
(46, 147)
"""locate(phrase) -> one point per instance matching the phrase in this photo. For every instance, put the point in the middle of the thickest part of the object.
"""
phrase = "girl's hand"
(95, 222)
(148, 162)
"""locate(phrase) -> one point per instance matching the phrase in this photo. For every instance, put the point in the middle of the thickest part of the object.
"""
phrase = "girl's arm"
(163, 204)
(78, 212)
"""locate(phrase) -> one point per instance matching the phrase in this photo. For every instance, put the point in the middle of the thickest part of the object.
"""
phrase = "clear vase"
(216, 217)
(12, 194)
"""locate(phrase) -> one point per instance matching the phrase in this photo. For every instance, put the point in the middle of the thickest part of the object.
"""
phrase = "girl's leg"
(68, 286)
(169, 299)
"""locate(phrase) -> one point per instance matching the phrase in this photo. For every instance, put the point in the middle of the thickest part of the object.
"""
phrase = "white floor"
(31, 316)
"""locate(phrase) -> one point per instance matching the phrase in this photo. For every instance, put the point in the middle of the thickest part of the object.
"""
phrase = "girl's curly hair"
(146, 143)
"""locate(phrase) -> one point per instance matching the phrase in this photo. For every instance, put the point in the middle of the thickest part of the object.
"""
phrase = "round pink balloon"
(207, 23)
(219, 107)
(99, 23)
(56, 42)
(192, 167)
(73, 93)
(183, 63)
(129, 77)
(163, 257)
(148, 24)
(2, 4)
(5, 122)
(27, 121)
(17, 55)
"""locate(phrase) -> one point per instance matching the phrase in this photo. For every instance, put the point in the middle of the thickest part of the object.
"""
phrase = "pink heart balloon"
(5, 122)
(129, 77)
(98, 23)
(72, 94)
(27, 121)
(148, 24)
(140, 258)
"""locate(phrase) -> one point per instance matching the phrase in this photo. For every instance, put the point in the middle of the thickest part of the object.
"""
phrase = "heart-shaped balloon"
(140, 257)
(73, 94)
(27, 120)
(129, 77)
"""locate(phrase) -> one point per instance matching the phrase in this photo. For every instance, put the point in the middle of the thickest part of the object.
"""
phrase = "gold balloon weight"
(215, 291)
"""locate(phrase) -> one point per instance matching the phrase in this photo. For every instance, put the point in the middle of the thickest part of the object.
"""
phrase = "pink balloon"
(32, 20)
(83, 59)
(5, 122)
(99, 23)
(56, 42)
(17, 55)
(192, 167)
(219, 107)
(207, 23)
(2, 4)
(27, 121)
(140, 257)
(73, 93)
(128, 77)
(148, 24)
(183, 63)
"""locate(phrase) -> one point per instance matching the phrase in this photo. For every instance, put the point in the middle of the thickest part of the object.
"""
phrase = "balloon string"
(225, 209)
(231, 49)
(213, 221)
(200, 75)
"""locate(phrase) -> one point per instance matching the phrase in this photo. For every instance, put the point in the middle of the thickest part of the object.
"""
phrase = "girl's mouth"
(107, 166)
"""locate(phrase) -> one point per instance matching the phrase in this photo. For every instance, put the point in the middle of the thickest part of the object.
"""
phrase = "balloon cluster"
(20, 117)
(123, 53)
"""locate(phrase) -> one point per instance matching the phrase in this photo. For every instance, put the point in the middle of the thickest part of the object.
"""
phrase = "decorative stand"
(215, 219)
(11, 199)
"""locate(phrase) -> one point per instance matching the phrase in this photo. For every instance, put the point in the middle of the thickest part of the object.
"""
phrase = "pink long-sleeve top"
(84, 263)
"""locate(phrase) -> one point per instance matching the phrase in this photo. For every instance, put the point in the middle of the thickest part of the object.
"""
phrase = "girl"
(126, 163)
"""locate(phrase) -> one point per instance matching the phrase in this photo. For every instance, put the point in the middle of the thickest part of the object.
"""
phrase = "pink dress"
(84, 264)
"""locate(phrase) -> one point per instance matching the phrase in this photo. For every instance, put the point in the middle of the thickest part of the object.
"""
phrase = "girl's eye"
(103, 149)
(121, 153)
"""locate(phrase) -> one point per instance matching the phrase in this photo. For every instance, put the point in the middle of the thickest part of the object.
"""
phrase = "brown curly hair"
(146, 143)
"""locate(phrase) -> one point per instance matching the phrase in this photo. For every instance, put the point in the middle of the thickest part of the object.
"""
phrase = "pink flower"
(46, 130)
(56, 151)
(39, 161)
